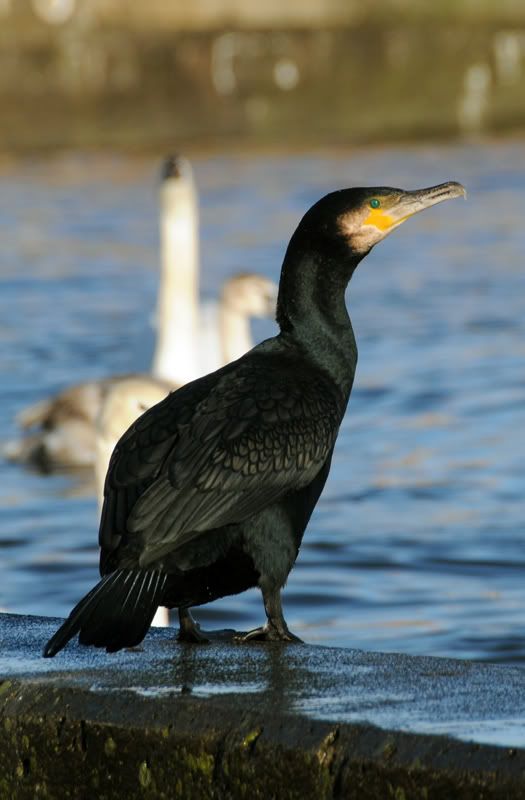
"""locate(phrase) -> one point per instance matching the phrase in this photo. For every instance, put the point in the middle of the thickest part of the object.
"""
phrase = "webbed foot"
(195, 636)
(269, 633)
(190, 631)
(275, 629)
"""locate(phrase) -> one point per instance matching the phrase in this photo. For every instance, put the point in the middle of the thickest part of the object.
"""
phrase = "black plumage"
(210, 491)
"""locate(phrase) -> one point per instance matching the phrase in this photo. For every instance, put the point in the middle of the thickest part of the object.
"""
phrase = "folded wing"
(217, 454)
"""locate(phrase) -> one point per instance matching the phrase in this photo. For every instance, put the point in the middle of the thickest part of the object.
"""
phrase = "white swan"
(176, 352)
(66, 423)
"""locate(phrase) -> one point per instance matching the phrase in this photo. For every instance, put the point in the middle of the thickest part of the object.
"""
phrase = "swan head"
(250, 295)
(176, 166)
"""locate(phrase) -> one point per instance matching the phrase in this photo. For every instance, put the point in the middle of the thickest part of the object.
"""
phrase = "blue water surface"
(418, 542)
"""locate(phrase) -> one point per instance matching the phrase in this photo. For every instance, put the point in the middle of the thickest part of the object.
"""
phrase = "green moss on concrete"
(145, 778)
(250, 739)
(202, 763)
(62, 758)
(110, 746)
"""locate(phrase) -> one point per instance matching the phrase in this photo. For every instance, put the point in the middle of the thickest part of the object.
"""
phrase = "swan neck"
(175, 358)
(234, 332)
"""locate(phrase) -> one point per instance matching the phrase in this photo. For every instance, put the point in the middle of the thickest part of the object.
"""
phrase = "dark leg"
(276, 629)
(189, 629)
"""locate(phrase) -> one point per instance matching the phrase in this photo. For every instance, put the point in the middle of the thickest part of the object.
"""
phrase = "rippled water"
(417, 544)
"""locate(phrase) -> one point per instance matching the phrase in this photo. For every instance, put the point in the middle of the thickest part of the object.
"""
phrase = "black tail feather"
(116, 613)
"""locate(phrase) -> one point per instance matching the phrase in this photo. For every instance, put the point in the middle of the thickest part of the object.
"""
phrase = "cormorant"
(210, 491)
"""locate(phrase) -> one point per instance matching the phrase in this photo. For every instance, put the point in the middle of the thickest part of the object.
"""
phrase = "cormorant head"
(374, 212)
(357, 219)
(334, 235)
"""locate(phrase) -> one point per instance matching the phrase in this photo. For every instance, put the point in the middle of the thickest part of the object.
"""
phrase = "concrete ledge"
(232, 721)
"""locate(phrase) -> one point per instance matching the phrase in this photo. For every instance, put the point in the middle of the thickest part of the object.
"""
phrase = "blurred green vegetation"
(80, 73)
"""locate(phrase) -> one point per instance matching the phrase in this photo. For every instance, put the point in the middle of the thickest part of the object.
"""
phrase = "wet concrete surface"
(466, 700)
(345, 719)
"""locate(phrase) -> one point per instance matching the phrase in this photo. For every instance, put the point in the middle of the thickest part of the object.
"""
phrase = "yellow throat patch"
(379, 219)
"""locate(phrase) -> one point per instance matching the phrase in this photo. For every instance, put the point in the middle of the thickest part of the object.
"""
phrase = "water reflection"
(416, 545)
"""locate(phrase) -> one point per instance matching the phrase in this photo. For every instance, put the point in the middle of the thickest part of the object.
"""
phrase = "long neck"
(311, 307)
(175, 358)
(234, 332)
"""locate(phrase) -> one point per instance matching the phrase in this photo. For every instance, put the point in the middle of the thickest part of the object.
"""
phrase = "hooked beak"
(406, 204)
(419, 199)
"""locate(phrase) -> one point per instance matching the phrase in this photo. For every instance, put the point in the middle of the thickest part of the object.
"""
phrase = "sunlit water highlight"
(417, 544)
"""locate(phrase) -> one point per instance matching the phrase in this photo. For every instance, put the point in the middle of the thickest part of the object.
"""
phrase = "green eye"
(375, 203)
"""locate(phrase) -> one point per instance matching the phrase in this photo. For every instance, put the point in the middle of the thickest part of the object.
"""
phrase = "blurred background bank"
(84, 73)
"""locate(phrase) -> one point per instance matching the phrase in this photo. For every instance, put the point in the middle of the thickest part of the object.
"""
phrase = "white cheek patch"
(365, 230)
